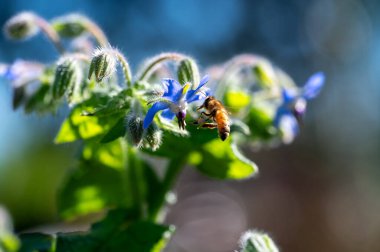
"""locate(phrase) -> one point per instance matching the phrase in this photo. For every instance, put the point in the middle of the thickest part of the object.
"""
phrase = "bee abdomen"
(223, 123)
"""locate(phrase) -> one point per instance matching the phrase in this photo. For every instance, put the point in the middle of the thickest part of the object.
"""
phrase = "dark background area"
(320, 193)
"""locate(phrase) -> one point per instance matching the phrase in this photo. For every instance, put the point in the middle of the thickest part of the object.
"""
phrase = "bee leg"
(209, 125)
(208, 115)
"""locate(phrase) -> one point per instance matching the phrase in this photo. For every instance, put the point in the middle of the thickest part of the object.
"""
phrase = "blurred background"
(320, 193)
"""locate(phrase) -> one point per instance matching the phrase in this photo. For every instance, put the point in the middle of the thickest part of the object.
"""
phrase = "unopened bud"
(21, 26)
(134, 129)
(257, 241)
(67, 75)
(188, 72)
(70, 26)
(153, 137)
(103, 63)
(264, 74)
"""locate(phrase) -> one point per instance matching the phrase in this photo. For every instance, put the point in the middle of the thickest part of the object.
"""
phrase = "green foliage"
(107, 118)
(118, 231)
(254, 241)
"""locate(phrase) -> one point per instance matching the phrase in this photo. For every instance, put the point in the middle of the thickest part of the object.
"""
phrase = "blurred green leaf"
(260, 123)
(109, 175)
(236, 100)
(117, 232)
(118, 130)
(80, 126)
(8, 241)
(208, 154)
(254, 241)
(37, 242)
(91, 188)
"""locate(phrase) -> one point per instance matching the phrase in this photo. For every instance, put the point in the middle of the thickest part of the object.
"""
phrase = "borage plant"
(123, 120)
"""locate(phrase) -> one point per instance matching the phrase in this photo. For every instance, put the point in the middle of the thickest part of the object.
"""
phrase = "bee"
(219, 115)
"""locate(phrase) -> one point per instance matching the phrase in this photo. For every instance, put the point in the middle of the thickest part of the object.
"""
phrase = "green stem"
(125, 66)
(150, 67)
(50, 33)
(95, 30)
(135, 177)
(174, 167)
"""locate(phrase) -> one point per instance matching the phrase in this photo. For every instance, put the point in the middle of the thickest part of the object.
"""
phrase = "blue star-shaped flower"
(174, 101)
(21, 72)
(290, 113)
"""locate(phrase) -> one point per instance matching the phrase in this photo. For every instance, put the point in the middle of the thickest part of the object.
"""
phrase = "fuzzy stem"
(126, 69)
(150, 66)
(173, 169)
(50, 33)
(95, 30)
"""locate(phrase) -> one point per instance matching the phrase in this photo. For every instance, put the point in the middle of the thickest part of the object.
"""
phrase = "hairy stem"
(95, 31)
(151, 66)
(125, 66)
(50, 33)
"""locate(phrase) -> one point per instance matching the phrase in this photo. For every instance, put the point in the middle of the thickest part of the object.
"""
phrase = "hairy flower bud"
(264, 74)
(21, 26)
(134, 128)
(70, 26)
(103, 63)
(153, 137)
(188, 71)
(257, 241)
(67, 76)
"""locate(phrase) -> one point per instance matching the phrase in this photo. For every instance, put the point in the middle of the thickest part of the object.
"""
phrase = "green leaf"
(223, 160)
(254, 241)
(236, 100)
(91, 188)
(80, 126)
(31, 242)
(109, 175)
(117, 232)
(212, 156)
(260, 123)
(8, 240)
(118, 130)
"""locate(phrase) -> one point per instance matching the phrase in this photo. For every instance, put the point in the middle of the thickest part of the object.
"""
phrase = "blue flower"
(21, 72)
(290, 113)
(174, 101)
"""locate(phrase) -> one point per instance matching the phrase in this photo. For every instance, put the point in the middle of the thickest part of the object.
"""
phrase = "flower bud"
(257, 241)
(264, 74)
(153, 137)
(134, 129)
(70, 26)
(21, 26)
(67, 75)
(103, 63)
(188, 72)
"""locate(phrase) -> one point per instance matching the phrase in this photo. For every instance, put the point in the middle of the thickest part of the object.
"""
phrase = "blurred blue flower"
(21, 72)
(174, 101)
(293, 107)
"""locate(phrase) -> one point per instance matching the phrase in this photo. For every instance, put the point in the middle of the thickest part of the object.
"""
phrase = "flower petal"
(289, 128)
(167, 114)
(287, 96)
(281, 111)
(152, 112)
(313, 86)
(172, 88)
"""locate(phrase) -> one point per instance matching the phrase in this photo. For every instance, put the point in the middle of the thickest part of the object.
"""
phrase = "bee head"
(207, 100)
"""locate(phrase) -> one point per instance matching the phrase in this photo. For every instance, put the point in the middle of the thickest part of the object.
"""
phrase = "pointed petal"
(203, 81)
(172, 87)
(281, 111)
(287, 96)
(289, 128)
(314, 85)
(152, 112)
(167, 114)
